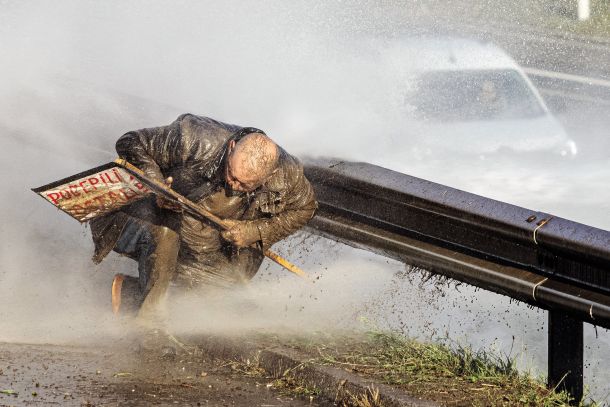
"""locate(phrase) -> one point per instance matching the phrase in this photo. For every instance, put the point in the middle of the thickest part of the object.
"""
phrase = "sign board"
(96, 192)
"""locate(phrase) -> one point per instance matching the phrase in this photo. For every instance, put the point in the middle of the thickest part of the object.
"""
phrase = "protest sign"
(95, 192)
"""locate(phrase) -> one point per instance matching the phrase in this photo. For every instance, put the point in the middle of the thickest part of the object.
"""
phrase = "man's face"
(238, 178)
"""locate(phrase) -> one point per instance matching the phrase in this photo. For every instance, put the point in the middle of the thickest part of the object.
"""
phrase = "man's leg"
(156, 272)
(156, 249)
(150, 237)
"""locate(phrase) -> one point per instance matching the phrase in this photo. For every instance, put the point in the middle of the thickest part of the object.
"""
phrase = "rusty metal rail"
(535, 257)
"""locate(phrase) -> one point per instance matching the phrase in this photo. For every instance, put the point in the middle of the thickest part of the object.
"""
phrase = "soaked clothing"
(192, 150)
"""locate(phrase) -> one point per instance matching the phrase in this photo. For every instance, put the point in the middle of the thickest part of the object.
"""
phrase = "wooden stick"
(195, 209)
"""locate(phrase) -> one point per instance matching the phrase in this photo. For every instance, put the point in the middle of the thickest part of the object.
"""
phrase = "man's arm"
(300, 208)
(150, 149)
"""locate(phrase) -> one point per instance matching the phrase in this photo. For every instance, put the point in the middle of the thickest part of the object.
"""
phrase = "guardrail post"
(566, 354)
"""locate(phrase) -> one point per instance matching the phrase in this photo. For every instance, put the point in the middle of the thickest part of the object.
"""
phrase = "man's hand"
(241, 233)
(165, 203)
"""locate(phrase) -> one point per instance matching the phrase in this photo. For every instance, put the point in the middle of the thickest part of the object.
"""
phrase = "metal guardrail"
(535, 257)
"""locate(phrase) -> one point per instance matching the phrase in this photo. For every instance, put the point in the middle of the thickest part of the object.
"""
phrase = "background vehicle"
(470, 96)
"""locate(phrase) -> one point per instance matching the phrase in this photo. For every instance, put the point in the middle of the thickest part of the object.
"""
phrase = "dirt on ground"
(118, 375)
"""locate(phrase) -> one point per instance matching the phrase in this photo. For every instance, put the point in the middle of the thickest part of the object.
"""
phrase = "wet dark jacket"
(193, 150)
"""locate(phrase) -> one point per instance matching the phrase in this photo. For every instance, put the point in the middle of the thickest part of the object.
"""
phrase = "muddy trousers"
(155, 248)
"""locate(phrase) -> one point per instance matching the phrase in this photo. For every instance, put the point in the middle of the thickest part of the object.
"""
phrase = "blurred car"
(470, 96)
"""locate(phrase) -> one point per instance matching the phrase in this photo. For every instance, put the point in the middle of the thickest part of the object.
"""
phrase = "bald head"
(251, 161)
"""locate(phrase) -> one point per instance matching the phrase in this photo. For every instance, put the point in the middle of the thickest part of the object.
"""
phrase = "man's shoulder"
(289, 172)
(192, 118)
(193, 122)
(289, 161)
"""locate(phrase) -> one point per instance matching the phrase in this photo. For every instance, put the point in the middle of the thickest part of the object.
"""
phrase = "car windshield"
(474, 95)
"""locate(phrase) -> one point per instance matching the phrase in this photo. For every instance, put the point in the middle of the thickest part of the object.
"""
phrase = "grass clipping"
(433, 371)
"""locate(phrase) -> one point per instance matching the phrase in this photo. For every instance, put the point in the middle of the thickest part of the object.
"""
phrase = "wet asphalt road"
(44, 375)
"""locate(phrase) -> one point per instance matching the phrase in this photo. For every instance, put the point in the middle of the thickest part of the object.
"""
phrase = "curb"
(333, 383)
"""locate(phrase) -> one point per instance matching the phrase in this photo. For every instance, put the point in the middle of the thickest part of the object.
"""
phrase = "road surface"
(101, 376)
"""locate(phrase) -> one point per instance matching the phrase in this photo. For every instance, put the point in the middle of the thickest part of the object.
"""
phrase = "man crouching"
(238, 174)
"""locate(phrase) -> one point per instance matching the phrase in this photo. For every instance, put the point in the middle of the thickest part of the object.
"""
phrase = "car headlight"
(568, 149)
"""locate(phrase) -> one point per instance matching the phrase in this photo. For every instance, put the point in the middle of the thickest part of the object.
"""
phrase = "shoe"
(126, 296)
(117, 284)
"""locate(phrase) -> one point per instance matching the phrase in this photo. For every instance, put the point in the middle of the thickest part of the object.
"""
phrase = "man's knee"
(247, 263)
(165, 254)
(164, 235)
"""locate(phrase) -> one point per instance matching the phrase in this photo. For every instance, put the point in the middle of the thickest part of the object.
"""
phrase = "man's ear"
(231, 145)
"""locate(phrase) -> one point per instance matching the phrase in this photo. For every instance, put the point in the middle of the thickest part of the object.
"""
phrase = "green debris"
(123, 374)
(9, 392)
